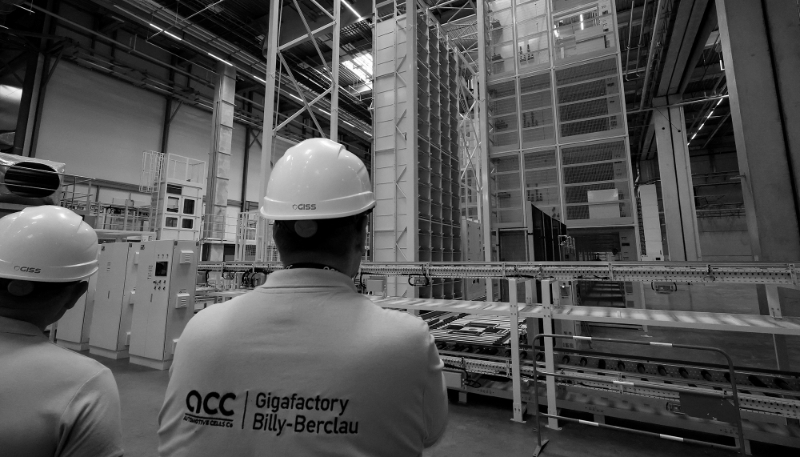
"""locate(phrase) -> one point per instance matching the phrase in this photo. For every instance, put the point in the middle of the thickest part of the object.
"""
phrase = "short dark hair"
(333, 236)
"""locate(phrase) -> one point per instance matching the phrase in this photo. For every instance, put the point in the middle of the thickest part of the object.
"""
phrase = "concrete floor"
(480, 428)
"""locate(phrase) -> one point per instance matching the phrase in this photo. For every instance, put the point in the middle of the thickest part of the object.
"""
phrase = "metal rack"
(416, 166)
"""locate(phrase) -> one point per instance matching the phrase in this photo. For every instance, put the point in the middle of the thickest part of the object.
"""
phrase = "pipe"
(630, 36)
(687, 102)
(641, 34)
(648, 72)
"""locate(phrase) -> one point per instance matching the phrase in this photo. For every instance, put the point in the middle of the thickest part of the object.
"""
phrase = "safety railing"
(721, 411)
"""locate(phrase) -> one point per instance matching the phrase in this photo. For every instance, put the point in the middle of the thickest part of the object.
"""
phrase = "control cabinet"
(72, 330)
(113, 304)
(164, 300)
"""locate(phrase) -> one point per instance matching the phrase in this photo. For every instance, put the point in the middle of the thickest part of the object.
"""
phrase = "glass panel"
(173, 204)
(171, 222)
(187, 223)
(188, 206)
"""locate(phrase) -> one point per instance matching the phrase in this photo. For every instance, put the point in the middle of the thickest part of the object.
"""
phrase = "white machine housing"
(164, 300)
(113, 304)
(72, 330)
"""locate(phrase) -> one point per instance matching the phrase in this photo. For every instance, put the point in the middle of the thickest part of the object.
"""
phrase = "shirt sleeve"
(435, 396)
(91, 423)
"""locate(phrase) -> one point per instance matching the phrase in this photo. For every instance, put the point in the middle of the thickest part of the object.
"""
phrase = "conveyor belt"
(687, 272)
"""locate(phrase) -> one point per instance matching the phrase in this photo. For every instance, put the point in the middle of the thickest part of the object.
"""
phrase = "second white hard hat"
(47, 244)
(317, 179)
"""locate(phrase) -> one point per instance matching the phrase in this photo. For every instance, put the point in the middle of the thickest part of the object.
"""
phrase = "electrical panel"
(113, 307)
(164, 300)
(72, 330)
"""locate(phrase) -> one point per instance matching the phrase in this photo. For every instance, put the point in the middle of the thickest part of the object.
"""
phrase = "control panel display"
(162, 268)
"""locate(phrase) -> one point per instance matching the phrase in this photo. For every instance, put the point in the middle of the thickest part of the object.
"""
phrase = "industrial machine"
(164, 300)
(113, 304)
(74, 326)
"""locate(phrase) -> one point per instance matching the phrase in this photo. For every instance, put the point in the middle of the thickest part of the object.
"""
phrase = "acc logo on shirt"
(212, 403)
(305, 207)
(27, 269)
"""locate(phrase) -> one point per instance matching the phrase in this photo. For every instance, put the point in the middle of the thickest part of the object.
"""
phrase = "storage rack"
(416, 167)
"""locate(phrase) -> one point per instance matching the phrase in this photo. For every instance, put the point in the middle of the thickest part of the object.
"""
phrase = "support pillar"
(481, 93)
(761, 55)
(675, 169)
(337, 27)
(219, 160)
(651, 222)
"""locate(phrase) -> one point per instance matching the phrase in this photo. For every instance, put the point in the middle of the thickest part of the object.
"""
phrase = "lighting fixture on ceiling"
(220, 59)
(350, 7)
(165, 32)
(361, 66)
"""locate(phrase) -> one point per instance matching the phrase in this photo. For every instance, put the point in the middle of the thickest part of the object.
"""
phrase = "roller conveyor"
(684, 272)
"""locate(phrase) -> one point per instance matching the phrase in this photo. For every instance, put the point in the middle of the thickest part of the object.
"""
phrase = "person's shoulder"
(67, 361)
(399, 322)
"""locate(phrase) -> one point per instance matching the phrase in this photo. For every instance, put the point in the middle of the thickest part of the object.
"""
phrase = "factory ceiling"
(669, 58)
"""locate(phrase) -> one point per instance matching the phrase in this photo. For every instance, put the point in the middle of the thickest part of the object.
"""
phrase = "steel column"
(267, 132)
(483, 129)
(760, 127)
(219, 158)
(516, 380)
(683, 239)
(549, 356)
(337, 31)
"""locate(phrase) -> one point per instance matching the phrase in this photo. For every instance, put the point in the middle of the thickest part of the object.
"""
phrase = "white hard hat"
(317, 179)
(47, 244)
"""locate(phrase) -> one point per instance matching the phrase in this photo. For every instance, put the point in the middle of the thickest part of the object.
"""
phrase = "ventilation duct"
(29, 182)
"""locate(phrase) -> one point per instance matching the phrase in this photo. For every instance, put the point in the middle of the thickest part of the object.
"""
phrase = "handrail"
(734, 391)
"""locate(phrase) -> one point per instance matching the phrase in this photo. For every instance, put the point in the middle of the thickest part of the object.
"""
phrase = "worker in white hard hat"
(53, 402)
(304, 365)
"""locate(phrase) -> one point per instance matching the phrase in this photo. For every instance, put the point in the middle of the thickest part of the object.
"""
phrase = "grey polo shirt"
(54, 402)
(303, 365)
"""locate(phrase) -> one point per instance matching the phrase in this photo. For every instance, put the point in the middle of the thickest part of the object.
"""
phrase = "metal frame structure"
(271, 127)
(554, 416)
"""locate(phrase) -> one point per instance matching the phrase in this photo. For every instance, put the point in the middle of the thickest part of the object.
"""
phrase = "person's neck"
(24, 317)
(341, 264)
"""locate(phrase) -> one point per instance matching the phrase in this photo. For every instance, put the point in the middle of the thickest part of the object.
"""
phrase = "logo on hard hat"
(27, 269)
(305, 207)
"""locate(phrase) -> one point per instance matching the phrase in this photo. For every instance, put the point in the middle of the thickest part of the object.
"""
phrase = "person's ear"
(361, 234)
(74, 293)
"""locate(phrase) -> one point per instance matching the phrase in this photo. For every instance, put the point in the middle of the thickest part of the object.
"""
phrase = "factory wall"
(103, 137)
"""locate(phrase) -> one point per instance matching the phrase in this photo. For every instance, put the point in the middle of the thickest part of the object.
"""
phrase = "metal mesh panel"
(532, 135)
(499, 19)
(509, 216)
(591, 89)
(507, 181)
(537, 100)
(591, 70)
(504, 106)
(510, 163)
(540, 159)
(505, 139)
(502, 89)
(591, 126)
(539, 178)
(589, 173)
(580, 194)
(578, 212)
(545, 196)
(534, 83)
(509, 199)
(537, 118)
(503, 123)
(591, 108)
(593, 153)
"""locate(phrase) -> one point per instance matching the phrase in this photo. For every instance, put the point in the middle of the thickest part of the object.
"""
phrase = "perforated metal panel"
(593, 153)
(586, 71)
(589, 173)
(540, 159)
